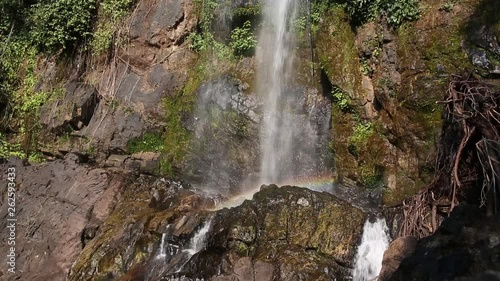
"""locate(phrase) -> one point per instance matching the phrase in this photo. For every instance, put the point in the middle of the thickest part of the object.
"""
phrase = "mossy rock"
(280, 218)
(337, 52)
(132, 232)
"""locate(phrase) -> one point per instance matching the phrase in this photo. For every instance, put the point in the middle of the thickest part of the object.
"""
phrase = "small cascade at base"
(171, 257)
(166, 249)
(196, 244)
(199, 240)
(375, 241)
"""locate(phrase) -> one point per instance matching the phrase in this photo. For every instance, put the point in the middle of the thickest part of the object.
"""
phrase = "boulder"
(290, 232)
(397, 251)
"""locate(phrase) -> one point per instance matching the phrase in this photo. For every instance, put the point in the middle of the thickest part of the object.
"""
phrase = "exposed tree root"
(468, 155)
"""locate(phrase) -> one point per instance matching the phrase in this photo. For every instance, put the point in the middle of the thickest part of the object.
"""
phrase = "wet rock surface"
(290, 232)
(225, 151)
(225, 144)
(465, 245)
(282, 234)
(398, 250)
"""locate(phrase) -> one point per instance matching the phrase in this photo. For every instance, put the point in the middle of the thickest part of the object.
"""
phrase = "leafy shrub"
(300, 24)
(401, 11)
(13, 15)
(199, 43)
(243, 41)
(397, 11)
(341, 99)
(148, 142)
(363, 10)
(62, 23)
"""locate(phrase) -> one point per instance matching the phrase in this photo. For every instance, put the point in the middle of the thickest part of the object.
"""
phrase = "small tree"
(243, 41)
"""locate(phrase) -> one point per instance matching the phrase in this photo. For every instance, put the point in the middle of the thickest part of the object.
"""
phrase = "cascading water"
(162, 253)
(374, 242)
(199, 240)
(197, 243)
(274, 68)
(294, 130)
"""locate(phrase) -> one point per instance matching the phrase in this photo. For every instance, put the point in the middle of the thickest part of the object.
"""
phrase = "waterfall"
(274, 58)
(374, 242)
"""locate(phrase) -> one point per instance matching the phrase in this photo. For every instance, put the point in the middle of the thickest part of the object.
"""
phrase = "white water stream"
(274, 56)
(199, 240)
(164, 244)
(374, 242)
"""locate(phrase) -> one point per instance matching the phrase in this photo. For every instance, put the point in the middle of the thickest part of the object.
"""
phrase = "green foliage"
(176, 140)
(402, 11)
(199, 43)
(341, 99)
(10, 61)
(300, 24)
(7, 149)
(362, 132)
(366, 68)
(318, 10)
(148, 142)
(248, 11)
(364, 10)
(371, 176)
(205, 42)
(60, 24)
(397, 11)
(243, 41)
(115, 9)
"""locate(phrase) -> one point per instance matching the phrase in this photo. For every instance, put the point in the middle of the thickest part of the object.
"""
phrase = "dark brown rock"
(464, 246)
(397, 251)
(73, 112)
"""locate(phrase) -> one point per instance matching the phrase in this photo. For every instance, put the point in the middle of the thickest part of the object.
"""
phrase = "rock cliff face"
(153, 107)
(58, 206)
(121, 100)
(386, 126)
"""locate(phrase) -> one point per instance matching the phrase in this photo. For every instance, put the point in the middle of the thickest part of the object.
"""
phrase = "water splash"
(199, 240)
(374, 242)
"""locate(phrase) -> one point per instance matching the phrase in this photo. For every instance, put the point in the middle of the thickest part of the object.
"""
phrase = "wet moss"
(337, 52)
